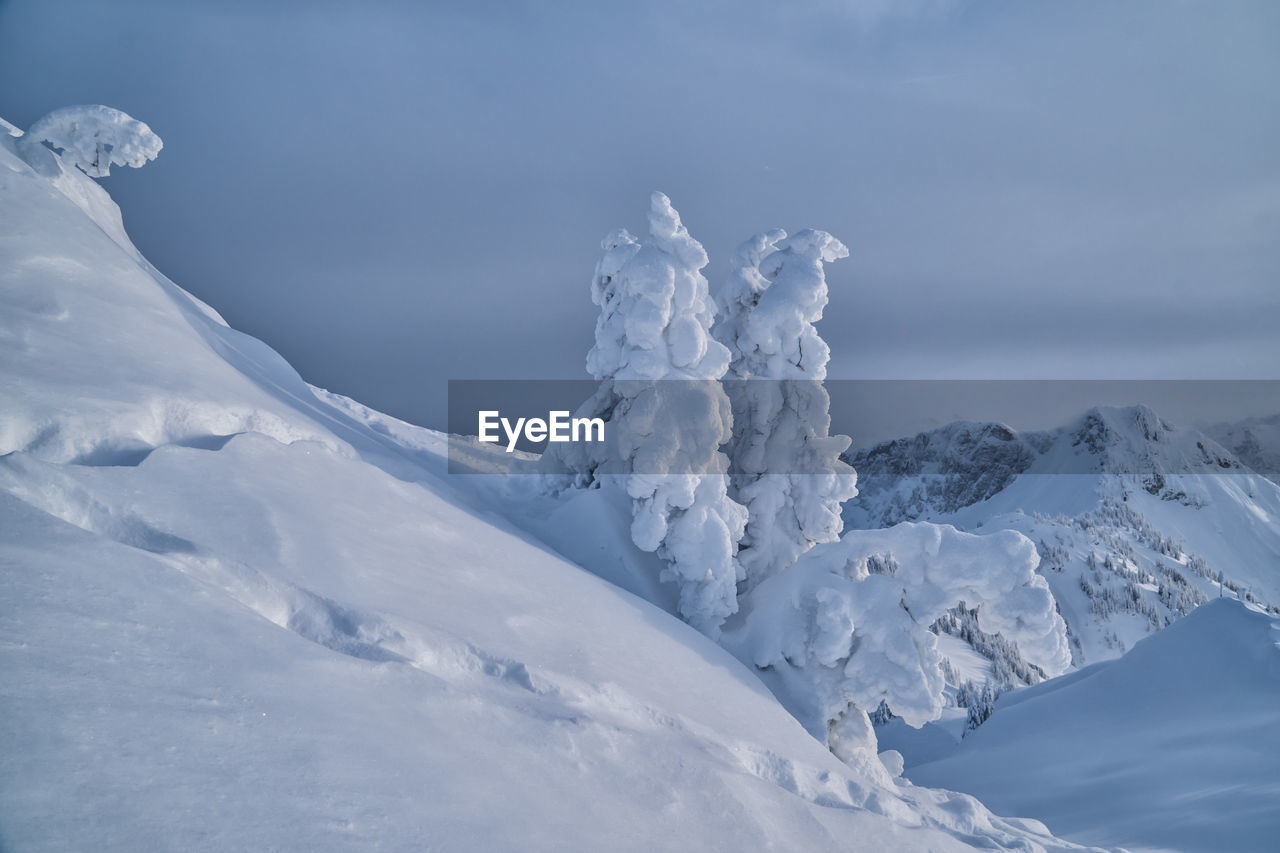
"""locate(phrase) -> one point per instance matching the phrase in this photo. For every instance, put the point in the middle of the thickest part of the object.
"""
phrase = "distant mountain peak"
(1109, 425)
(1254, 441)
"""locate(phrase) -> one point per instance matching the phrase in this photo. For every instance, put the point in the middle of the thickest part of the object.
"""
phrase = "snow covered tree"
(738, 299)
(95, 138)
(666, 411)
(980, 702)
(784, 466)
(835, 639)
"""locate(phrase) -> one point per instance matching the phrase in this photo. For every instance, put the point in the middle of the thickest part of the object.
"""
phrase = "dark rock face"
(938, 472)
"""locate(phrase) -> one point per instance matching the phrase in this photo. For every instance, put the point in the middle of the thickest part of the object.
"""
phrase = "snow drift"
(1171, 747)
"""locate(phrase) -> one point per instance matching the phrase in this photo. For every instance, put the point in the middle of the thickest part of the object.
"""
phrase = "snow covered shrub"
(93, 137)
(663, 436)
(836, 640)
(784, 466)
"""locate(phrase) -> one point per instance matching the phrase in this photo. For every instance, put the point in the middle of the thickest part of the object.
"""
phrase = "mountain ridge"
(1127, 509)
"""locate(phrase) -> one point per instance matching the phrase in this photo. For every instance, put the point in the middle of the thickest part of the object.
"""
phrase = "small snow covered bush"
(95, 138)
(840, 639)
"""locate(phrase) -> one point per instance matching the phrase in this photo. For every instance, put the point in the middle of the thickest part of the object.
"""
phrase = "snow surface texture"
(1171, 747)
(664, 451)
(241, 613)
(785, 467)
(94, 138)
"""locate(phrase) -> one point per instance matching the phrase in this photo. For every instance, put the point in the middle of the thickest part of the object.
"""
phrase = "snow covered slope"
(1255, 441)
(1172, 747)
(1134, 517)
(240, 614)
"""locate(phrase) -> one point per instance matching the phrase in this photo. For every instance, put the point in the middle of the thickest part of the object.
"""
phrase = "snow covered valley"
(1172, 746)
(241, 613)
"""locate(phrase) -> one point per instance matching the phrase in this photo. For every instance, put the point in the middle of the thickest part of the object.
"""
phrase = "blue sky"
(393, 194)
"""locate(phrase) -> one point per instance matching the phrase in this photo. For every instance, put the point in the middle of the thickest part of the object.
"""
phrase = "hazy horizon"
(393, 196)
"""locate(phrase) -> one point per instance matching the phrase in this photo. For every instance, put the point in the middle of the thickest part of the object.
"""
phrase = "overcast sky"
(393, 194)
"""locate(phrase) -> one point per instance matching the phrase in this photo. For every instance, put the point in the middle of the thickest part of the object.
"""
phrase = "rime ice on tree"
(785, 467)
(664, 436)
(841, 633)
(95, 138)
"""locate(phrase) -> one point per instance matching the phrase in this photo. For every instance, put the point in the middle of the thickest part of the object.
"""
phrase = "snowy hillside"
(1134, 517)
(1255, 442)
(1171, 747)
(241, 613)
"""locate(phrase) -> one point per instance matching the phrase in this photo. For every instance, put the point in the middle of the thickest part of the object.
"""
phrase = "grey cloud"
(394, 194)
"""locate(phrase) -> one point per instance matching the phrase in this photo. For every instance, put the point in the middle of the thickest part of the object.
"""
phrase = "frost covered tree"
(980, 702)
(740, 295)
(663, 437)
(785, 467)
(94, 138)
(835, 639)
